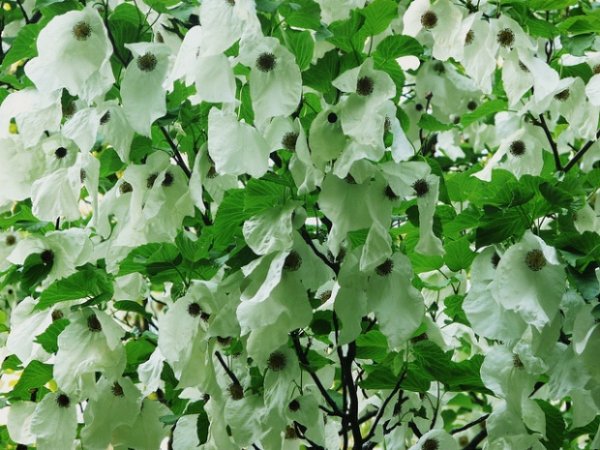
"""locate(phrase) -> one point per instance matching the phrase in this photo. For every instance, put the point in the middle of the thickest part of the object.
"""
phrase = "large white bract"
(299, 224)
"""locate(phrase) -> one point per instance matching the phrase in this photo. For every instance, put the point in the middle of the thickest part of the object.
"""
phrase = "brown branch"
(470, 424)
(230, 374)
(306, 366)
(385, 403)
(476, 440)
(542, 123)
(176, 155)
(582, 151)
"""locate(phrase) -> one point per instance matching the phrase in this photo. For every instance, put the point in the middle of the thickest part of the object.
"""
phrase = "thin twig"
(476, 440)
(176, 155)
(542, 123)
(470, 424)
(306, 366)
(230, 374)
(581, 152)
(25, 16)
(385, 403)
(304, 233)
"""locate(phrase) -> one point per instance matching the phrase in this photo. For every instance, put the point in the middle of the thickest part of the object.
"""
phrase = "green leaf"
(378, 16)
(131, 306)
(320, 75)
(34, 376)
(455, 376)
(453, 308)
(395, 46)
(555, 426)
(302, 14)
(49, 338)
(379, 377)
(127, 25)
(556, 195)
(87, 283)
(393, 69)
(346, 35)
(540, 28)
(547, 5)
(194, 248)
(138, 260)
(583, 24)
(430, 123)
(262, 195)
(301, 44)
(372, 345)
(484, 110)
(458, 254)
(24, 45)
(34, 271)
(498, 224)
(229, 218)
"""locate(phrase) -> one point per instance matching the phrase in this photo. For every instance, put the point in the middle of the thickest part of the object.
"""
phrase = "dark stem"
(476, 440)
(384, 405)
(230, 374)
(111, 38)
(57, 224)
(353, 396)
(306, 366)
(304, 233)
(176, 155)
(542, 123)
(582, 151)
(25, 16)
(415, 429)
(470, 424)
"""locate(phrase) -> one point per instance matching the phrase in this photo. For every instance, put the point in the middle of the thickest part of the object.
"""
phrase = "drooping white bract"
(25, 324)
(62, 250)
(326, 138)
(444, 21)
(205, 178)
(520, 152)
(113, 403)
(183, 340)
(142, 91)
(115, 129)
(362, 112)
(275, 300)
(283, 133)
(200, 63)
(33, 113)
(486, 315)
(227, 21)
(512, 376)
(271, 230)
(18, 422)
(54, 422)
(90, 343)
(20, 168)
(352, 206)
(158, 189)
(236, 147)
(275, 80)
(530, 281)
(398, 305)
(74, 53)
(148, 420)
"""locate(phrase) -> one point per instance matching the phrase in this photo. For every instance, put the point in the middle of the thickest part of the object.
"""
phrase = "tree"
(294, 224)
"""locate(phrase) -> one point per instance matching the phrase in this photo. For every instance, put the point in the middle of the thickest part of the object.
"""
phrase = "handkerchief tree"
(299, 224)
